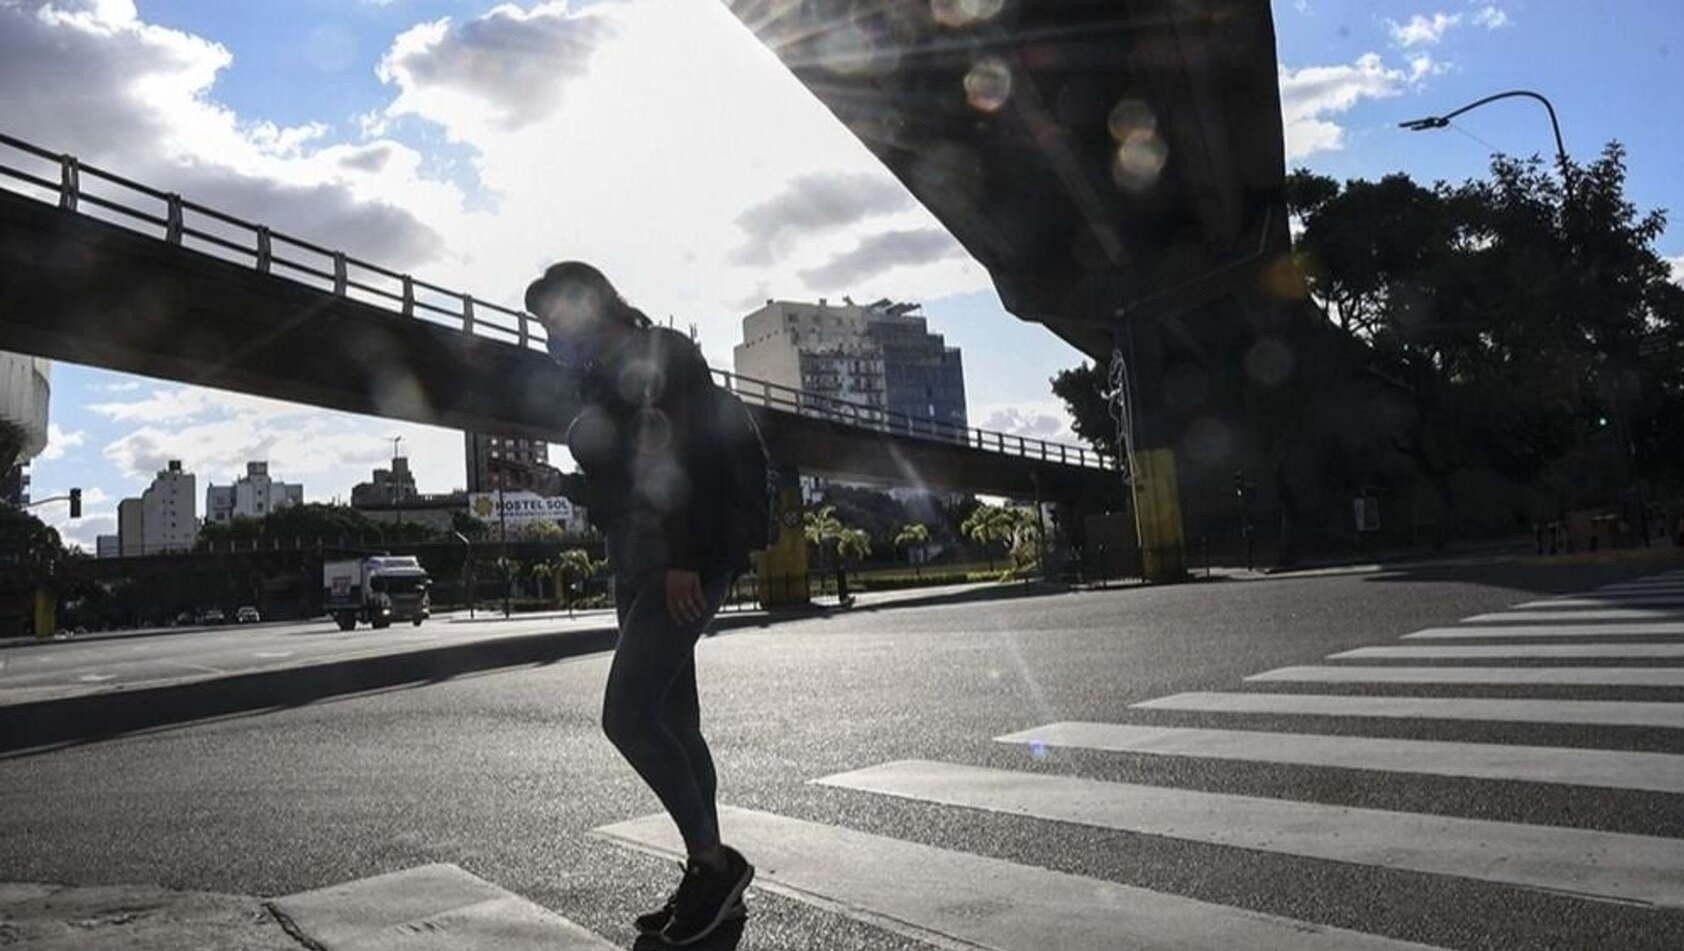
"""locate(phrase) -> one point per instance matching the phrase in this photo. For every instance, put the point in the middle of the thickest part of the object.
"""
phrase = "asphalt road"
(506, 773)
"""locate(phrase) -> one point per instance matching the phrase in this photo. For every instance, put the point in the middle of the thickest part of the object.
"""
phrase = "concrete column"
(783, 566)
(1156, 493)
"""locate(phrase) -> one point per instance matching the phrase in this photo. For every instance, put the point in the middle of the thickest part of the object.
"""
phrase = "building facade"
(108, 546)
(386, 487)
(880, 355)
(504, 462)
(169, 511)
(131, 534)
(253, 495)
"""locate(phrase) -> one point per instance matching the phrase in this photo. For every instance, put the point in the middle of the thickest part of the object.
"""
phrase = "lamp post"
(1443, 121)
(467, 563)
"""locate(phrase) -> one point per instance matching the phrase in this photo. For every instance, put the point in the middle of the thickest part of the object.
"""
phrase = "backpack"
(751, 497)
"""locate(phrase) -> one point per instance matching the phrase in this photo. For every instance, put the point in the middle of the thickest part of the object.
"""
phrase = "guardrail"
(84, 189)
(818, 405)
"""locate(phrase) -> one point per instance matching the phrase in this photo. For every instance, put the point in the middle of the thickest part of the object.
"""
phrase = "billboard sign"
(520, 508)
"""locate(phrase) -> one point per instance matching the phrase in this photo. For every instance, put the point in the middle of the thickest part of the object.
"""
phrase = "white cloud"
(1309, 96)
(1423, 30)
(508, 66)
(814, 203)
(60, 442)
(1677, 268)
(1049, 421)
(91, 78)
(1492, 17)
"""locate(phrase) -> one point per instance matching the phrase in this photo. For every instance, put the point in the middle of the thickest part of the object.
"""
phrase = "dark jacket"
(642, 441)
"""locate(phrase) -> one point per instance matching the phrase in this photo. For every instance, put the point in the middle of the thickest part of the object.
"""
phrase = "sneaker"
(707, 899)
(654, 922)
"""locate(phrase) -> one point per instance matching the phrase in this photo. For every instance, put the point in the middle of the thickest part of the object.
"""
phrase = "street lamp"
(1440, 122)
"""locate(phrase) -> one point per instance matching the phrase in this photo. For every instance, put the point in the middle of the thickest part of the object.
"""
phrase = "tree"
(852, 544)
(1086, 391)
(910, 535)
(989, 525)
(574, 564)
(821, 527)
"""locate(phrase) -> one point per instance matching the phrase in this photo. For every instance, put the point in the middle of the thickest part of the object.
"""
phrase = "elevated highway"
(127, 278)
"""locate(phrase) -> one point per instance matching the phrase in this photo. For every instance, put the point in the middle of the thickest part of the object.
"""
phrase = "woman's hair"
(578, 273)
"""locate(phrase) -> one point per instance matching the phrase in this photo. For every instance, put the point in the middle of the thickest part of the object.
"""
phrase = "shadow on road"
(1542, 576)
(726, 938)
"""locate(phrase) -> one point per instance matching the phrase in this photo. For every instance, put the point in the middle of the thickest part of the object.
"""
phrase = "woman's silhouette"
(654, 483)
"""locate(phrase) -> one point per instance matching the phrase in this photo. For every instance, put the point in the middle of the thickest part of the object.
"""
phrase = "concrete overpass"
(155, 284)
(1118, 167)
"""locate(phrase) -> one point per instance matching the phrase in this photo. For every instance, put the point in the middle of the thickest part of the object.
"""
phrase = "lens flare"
(988, 84)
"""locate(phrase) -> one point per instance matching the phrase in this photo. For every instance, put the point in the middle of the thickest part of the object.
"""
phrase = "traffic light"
(75, 503)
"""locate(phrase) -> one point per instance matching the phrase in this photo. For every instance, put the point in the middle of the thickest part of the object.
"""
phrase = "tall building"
(131, 534)
(881, 355)
(386, 487)
(253, 495)
(169, 511)
(108, 546)
(505, 462)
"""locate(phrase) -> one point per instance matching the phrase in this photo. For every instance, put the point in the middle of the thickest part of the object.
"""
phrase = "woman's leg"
(650, 710)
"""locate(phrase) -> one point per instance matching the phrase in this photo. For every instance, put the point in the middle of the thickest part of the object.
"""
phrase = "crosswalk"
(1604, 660)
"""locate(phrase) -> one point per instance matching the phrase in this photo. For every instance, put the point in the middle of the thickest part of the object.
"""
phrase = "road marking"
(1592, 712)
(1651, 772)
(956, 900)
(96, 678)
(1579, 676)
(273, 654)
(1551, 630)
(1461, 651)
(1612, 614)
(428, 908)
(1609, 865)
(1605, 601)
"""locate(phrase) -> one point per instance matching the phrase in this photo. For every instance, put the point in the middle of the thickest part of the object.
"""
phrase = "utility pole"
(503, 526)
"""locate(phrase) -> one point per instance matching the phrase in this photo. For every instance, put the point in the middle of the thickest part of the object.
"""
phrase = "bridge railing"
(867, 416)
(85, 189)
(93, 191)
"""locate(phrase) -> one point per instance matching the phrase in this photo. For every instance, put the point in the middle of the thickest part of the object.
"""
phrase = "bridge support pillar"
(783, 566)
(1157, 516)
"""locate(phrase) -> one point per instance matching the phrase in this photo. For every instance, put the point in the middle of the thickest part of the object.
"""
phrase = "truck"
(377, 590)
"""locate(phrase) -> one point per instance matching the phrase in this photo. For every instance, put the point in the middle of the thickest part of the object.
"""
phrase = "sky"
(471, 143)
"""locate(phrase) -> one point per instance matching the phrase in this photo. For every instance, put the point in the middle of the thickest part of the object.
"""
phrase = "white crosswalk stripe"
(1617, 769)
(1586, 712)
(1589, 614)
(1609, 600)
(961, 901)
(1605, 864)
(1579, 676)
(1517, 651)
(1642, 629)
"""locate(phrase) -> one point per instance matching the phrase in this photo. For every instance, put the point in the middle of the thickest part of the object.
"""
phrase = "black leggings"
(650, 711)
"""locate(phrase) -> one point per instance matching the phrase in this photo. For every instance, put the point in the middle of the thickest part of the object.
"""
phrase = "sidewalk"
(35, 917)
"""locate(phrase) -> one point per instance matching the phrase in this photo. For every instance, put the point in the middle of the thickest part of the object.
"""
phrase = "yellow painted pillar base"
(783, 566)
(46, 614)
(1157, 516)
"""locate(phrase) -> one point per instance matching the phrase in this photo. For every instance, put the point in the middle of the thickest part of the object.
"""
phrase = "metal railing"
(867, 416)
(84, 189)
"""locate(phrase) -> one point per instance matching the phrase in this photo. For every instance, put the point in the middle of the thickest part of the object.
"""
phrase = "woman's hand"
(686, 604)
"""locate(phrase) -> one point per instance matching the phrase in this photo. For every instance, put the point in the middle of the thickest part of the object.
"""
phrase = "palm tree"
(541, 572)
(910, 534)
(822, 527)
(988, 525)
(853, 543)
(573, 564)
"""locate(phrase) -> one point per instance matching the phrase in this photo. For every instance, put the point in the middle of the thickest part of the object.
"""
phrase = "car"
(184, 618)
(247, 615)
(212, 616)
